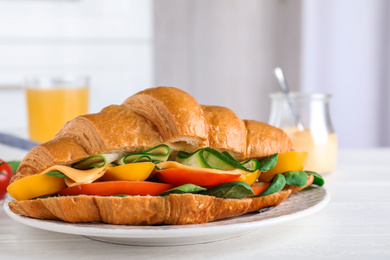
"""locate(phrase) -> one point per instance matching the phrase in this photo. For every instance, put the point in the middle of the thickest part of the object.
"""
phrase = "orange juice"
(49, 109)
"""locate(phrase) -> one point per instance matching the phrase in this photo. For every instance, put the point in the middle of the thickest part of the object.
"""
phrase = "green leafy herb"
(14, 165)
(278, 183)
(56, 174)
(296, 178)
(233, 189)
(186, 188)
(120, 195)
(268, 163)
(43, 197)
(318, 180)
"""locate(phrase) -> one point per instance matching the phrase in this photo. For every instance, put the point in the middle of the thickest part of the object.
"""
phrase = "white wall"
(110, 41)
(223, 52)
(346, 52)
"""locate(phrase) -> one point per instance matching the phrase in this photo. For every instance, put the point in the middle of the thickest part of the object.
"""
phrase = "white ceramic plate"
(297, 205)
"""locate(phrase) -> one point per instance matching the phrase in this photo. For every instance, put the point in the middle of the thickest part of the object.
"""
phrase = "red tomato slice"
(204, 179)
(259, 187)
(108, 188)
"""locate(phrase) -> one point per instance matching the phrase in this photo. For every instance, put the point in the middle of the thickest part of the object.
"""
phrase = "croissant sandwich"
(158, 158)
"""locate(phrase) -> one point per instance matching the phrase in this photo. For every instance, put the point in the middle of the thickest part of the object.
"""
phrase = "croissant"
(161, 115)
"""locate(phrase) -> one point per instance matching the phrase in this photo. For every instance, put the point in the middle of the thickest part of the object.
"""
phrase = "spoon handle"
(283, 85)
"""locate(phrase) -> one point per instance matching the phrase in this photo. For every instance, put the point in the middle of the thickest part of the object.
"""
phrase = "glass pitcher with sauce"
(306, 120)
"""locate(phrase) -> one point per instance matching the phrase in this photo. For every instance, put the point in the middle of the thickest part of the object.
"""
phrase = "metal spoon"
(283, 85)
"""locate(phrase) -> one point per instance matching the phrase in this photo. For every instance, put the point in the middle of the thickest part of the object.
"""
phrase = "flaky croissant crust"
(151, 117)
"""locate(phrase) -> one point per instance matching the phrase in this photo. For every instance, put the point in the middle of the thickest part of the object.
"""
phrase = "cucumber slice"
(159, 153)
(318, 180)
(211, 158)
(278, 183)
(95, 161)
(195, 159)
(251, 165)
(216, 160)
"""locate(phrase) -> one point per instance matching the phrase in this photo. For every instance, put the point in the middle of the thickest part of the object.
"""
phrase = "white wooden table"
(355, 224)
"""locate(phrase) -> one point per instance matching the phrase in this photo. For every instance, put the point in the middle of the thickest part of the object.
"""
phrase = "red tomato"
(204, 179)
(259, 187)
(108, 188)
(6, 174)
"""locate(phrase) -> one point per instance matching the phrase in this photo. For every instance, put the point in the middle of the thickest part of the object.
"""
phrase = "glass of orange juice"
(52, 101)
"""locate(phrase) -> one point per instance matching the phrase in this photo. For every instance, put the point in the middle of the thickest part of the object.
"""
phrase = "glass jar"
(306, 120)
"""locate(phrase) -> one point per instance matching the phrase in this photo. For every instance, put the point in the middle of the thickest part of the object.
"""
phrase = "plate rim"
(126, 231)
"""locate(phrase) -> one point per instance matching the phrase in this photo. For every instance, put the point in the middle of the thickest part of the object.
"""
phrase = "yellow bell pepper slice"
(35, 186)
(129, 172)
(289, 161)
(249, 177)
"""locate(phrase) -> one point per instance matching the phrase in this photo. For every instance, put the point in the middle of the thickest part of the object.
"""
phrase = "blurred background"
(222, 52)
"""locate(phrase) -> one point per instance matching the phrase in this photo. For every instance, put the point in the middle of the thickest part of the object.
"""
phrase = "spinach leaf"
(318, 180)
(120, 195)
(186, 188)
(14, 165)
(233, 189)
(268, 163)
(278, 183)
(56, 174)
(296, 178)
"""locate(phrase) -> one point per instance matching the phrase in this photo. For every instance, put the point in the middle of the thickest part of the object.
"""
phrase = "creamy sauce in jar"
(321, 147)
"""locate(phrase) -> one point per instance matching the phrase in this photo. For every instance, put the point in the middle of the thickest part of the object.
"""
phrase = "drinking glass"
(52, 101)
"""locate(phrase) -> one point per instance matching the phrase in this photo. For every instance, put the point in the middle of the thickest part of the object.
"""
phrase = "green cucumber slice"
(159, 153)
(318, 180)
(95, 161)
(217, 160)
(195, 159)
(211, 158)
(278, 183)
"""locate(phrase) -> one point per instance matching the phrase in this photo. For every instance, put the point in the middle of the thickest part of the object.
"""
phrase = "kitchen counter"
(355, 223)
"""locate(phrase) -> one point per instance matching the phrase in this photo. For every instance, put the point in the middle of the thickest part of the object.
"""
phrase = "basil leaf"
(268, 163)
(56, 174)
(120, 195)
(278, 183)
(233, 189)
(318, 180)
(296, 178)
(186, 188)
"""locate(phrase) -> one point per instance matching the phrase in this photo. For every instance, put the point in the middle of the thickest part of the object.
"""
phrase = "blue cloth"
(17, 142)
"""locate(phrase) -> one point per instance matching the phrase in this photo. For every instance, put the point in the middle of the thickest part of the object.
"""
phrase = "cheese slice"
(75, 176)
(176, 165)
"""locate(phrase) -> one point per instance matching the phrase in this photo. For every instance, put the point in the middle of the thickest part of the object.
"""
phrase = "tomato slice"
(201, 178)
(259, 187)
(108, 188)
